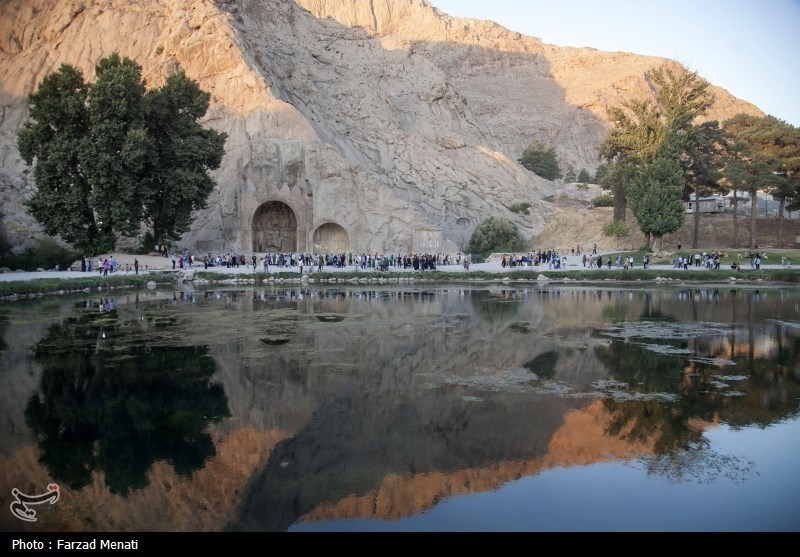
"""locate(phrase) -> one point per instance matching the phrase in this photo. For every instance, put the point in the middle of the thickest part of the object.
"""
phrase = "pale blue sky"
(749, 47)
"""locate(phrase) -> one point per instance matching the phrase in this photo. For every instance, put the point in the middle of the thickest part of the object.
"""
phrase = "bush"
(616, 229)
(541, 160)
(604, 200)
(521, 208)
(496, 234)
(147, 243)
(47, 254)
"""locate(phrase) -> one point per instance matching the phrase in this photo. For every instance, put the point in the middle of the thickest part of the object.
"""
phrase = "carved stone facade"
(376, 126)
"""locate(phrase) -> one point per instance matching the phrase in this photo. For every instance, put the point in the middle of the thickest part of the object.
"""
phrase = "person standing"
(173, 261)
(136, 266)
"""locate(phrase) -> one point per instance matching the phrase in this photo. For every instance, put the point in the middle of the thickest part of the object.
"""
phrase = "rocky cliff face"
(353, 125)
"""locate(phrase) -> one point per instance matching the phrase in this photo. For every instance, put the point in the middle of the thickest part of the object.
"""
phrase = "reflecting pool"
(519, 407)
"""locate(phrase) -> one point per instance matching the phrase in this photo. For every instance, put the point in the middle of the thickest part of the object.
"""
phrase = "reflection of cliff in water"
(409, 340)
(402, 392)
(353, 442)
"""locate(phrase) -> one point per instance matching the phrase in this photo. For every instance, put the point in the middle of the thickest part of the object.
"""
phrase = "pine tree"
(541, 160)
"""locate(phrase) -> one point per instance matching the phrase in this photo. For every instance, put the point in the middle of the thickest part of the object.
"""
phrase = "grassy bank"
(45, 286)
(40, 287)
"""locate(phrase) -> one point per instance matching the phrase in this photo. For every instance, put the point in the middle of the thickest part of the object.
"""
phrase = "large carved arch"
(330, 238)
(274, 228)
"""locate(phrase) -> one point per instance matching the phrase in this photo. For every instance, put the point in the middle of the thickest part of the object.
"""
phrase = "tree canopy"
(655, 194)
(496, 234)
(112, 156)
(640, 127)
(763, 154)
(541, 160)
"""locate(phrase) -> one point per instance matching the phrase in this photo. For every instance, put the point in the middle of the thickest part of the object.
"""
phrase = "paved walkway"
(152, 263)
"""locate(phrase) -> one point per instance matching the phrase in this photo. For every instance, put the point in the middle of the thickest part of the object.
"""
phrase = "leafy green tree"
(767, 158)
(600, 172)
(655, 195)
(777, 146)
(541, 160)
(111, 156)
(735, 171)
(700, 154)
(569, 175)
(615, 179)
(181, 154)
(496, 234)
(583, 176)
(640, 126)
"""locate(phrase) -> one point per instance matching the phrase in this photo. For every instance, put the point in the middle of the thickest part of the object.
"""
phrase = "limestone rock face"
(353, 125)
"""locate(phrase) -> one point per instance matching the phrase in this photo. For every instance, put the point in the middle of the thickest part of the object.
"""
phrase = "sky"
(751, 48)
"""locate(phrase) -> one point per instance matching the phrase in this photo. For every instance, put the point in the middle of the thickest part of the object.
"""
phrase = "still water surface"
(400, 408)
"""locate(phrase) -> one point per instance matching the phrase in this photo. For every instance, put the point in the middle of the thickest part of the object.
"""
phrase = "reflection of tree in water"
(3, 327)
(543, 365)
(496, 307)
(770, 390)
(766, 389)
(700, 464)
(112, 405)
(650, 373)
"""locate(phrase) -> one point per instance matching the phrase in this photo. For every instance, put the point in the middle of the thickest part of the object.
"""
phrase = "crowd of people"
(363, 261)
(309, 262)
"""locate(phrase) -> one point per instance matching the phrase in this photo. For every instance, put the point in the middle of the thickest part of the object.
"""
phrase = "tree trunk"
(620, 204)
(657, 242)
(752, 220)
(735, 223)
(781, 208)
(696, 215)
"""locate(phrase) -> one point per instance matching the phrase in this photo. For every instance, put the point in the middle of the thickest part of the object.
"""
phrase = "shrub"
(542, 160)
(521, 208)
(496, 234)
(604, 200)
(616, 229)
(47, 254)
(147, 243)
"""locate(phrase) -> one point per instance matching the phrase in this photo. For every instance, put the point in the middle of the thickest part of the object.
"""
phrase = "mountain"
(353, 125)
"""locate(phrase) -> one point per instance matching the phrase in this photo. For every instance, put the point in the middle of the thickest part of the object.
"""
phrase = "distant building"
(716, 204)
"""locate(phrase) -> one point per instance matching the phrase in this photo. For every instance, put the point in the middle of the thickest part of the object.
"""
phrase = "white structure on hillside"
(714, 204)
